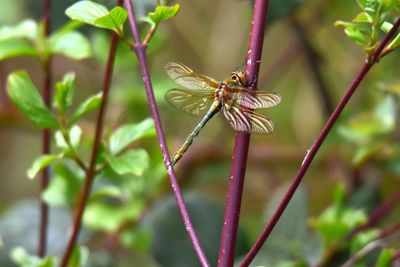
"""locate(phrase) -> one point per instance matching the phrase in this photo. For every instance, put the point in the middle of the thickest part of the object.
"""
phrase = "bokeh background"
(305, 59)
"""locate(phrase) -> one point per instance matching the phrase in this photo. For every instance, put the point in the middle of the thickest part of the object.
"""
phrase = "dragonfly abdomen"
(212, 111)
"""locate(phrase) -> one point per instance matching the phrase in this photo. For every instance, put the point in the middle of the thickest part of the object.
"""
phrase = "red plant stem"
(239, 159)
(140, 50)
(90, 172)
(46, 140)
(315, 147)
(383, 209)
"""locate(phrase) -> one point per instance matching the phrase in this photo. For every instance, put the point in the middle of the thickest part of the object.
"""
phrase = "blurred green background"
(305, 59)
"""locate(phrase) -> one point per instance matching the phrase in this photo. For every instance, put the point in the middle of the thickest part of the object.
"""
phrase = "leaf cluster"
(375, 18)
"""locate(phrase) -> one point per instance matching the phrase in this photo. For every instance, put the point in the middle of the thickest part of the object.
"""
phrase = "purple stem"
(46, 139)
(238, 167)
(315, 147)
(140, 50)
(90, 172)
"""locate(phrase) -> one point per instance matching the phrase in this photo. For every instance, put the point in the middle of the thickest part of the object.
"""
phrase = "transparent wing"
(189, 79)
(190, 102)
(246, 120)
(257, 99)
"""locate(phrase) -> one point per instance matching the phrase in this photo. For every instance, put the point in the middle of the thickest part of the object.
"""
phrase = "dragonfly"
(203, 95)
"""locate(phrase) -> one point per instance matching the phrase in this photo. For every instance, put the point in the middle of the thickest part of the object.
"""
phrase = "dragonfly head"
(239, 77)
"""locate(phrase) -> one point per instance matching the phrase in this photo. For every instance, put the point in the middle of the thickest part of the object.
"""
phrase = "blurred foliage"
(168, 231)
(19, 227)
(291, 239)
(130, 215)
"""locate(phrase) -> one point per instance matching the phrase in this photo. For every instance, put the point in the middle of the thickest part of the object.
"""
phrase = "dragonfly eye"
(239, 77)
(234, 77)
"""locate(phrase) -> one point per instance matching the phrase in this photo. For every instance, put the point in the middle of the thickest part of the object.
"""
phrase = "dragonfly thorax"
(225, 91)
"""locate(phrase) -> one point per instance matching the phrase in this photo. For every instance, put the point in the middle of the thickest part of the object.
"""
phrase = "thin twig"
(150, 34)
(76, 157)
(140, 50)
(238, 167)
(46, 139)
(379, 243)
(317, 144)
(378, 214)
(90, 173)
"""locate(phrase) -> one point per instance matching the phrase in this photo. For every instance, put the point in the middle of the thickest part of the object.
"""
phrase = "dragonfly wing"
(257, 99)
(189, 79)
(246, 120)
(190, 102)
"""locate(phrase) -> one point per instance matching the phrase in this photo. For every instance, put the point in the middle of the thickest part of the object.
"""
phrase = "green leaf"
(336, 221)
(98, 15)
(26, 29)
(107, 217)
(362, 239)
(63, 189)
(386, 26)
(79, 257)
(362, 3)
(74, 134)
(164, 13)
(385, 258)
(106, 191)
(114, 20)
(394, 43)
(388, 5)
(371, 6)
(15, 48)
(357, 36)
(355, 31)
(139, 239)
(366, 150)
(362, 127)
(86, 11)
(134, 161)
(70, 44)
(292, 263)
(40, 163)
(129, 133)
(363, 17)
(20, 256)
(64, 92)
(89, 104)
(27, 98)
